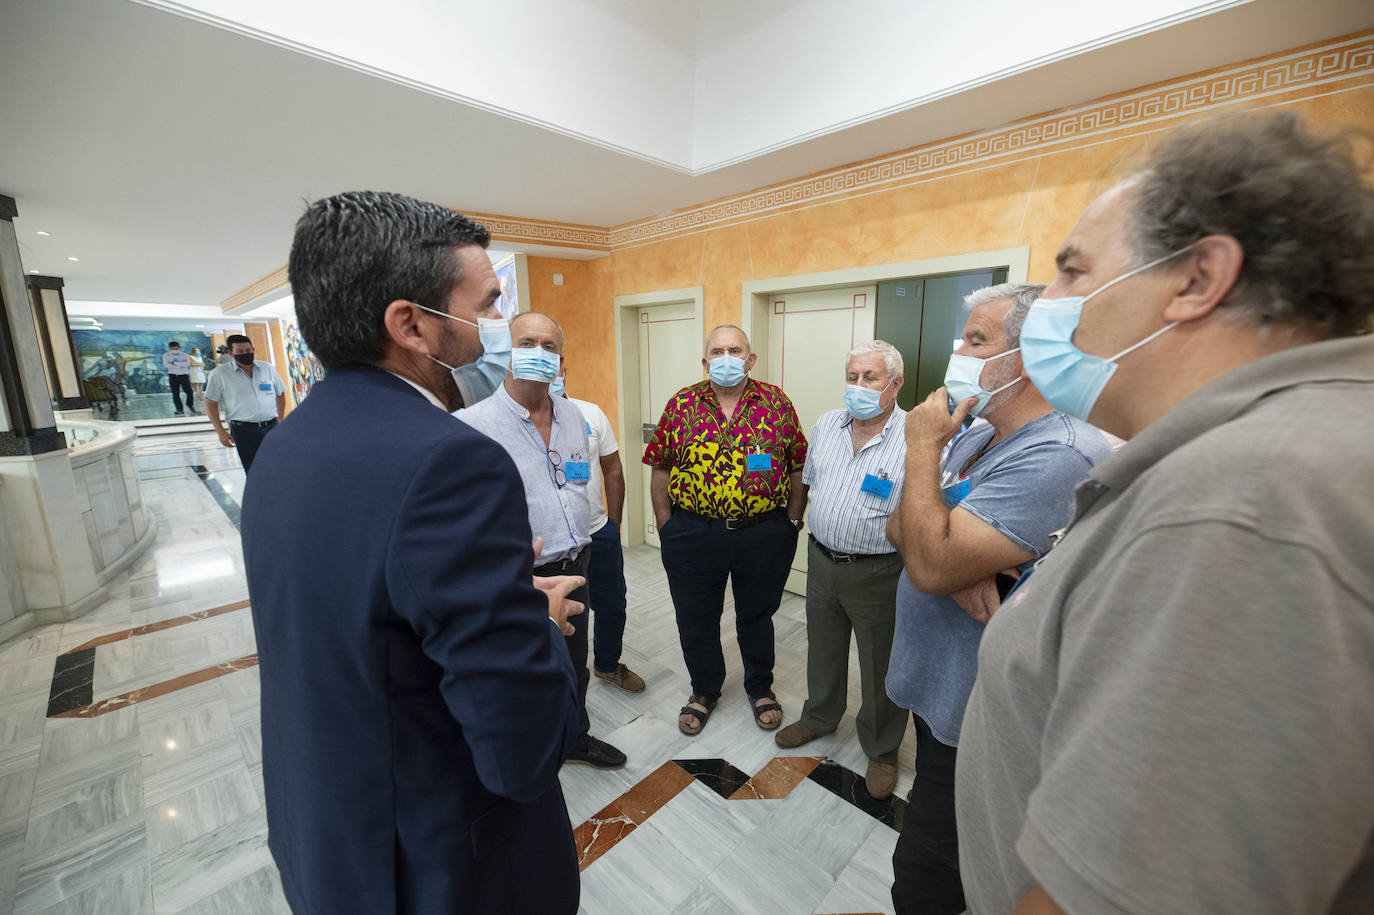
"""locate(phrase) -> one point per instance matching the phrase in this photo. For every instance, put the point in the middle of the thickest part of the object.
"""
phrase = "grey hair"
(892, 359)
(749, 346)
(1022, 296)
(540, 314)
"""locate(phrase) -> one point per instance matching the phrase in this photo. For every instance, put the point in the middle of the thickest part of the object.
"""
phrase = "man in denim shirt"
(990, 505)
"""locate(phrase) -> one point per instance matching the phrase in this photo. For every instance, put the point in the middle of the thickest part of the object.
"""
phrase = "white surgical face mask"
(478, 380)
(963, 379)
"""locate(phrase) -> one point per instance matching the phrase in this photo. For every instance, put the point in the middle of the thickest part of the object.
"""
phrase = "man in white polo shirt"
(254, 399)
(178, 366)
(606, 574)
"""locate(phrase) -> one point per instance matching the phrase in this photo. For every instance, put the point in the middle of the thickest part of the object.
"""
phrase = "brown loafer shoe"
(622, 677)
(880, 779)
(796, 734)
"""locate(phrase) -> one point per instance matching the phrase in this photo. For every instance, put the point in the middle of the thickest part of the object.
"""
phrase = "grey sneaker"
(622, 677)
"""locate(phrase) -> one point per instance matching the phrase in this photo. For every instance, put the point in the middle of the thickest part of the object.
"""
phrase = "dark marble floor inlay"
(217, 490)
(849, 785)
(73, 681)
(716, 774)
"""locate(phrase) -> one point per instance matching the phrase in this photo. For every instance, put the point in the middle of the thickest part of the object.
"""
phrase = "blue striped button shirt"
(842, 516)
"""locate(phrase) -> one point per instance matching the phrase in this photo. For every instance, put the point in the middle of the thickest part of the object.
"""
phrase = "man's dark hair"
(174, 343)
(230, 340)
(356, 253)
(1295, 200)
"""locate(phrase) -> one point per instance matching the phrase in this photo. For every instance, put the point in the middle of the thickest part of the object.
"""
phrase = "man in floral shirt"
(728, 500)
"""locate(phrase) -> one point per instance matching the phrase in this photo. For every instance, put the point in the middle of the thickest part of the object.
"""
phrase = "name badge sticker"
(265, 386)
(877, 486)
(578, 471)
(759, 463)
(955, 492)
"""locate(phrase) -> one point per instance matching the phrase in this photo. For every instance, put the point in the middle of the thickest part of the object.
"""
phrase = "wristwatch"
(798, 523)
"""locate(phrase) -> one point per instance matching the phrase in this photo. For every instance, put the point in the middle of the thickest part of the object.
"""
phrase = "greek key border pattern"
(1351, 58)
(556, 233)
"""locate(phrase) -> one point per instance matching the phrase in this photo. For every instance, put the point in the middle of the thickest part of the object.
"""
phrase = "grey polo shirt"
(1175, 711)
(560, 514)
(242, 399)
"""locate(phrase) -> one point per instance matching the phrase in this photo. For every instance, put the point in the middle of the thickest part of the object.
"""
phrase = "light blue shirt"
(1023, 486)
(559, 514)
(242, 399)
(842, 516)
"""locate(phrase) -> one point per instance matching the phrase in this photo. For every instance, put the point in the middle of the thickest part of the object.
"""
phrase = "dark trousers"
(179, 384)
(577, 642)
(925, 863)
(698, 558)
(606, 586)
(248, 439)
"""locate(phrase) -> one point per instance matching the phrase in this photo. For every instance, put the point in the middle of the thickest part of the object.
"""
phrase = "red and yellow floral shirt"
(709, 457)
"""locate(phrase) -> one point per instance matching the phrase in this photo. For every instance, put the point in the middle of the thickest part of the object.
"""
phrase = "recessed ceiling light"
(33, 271)
(41, 232)
(200, 325)
(73, 258)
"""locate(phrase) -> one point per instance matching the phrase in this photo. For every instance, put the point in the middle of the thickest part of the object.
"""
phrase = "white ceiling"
(171, 149)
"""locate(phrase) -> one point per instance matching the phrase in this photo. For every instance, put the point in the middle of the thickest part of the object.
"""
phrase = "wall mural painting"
(305, 369)
(509, 303)
(132, 359)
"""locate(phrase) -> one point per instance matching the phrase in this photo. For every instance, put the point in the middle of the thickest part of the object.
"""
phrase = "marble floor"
(130, 761)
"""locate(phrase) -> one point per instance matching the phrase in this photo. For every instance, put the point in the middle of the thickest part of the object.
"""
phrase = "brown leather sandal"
(696, 713)
(766, 707)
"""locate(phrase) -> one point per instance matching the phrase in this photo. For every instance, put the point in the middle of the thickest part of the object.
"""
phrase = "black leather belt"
(844, 557)
(731, 524)
(239, 422)
(570, 566)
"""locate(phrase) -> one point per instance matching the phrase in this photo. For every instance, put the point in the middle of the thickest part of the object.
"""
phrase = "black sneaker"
(595, 753)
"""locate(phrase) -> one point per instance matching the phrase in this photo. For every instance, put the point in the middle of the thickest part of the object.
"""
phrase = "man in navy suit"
(417, 697)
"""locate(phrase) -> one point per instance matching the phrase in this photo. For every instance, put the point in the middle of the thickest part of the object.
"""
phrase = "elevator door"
(669, 360)
(809, 335)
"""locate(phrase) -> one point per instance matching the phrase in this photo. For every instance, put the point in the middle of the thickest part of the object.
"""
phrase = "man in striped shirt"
(854, 473)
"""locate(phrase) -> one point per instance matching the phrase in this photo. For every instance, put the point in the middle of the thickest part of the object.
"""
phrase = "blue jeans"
(606, 584)
(247, 439)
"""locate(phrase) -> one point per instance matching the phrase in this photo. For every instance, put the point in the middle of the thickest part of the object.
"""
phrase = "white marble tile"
(587, 790)
(865, 884)
(170, 776)
(204, 808)
(209, 863)
(36, 643)
(766, 875)
(125, 893)
(82, 795)
(259, 893)
(65, 739)
(704, 827)
(702, 901)
(821, 827)
(643, 873)
(64, 872)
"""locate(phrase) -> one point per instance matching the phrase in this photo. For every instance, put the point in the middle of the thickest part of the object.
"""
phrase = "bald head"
(534, 328)
(727, 340)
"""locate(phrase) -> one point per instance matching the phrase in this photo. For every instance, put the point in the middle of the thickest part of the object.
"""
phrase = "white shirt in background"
(603, 442)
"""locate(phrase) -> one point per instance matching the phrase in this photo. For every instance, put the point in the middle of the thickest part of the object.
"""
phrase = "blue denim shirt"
(1023, 487)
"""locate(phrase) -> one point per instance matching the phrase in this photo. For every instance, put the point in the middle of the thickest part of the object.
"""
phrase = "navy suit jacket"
(417, 702)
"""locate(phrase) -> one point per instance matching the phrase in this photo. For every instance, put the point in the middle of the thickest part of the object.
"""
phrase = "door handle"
(646, 431)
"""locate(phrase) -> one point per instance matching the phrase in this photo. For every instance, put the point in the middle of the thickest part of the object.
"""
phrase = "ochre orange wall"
(1031, 199)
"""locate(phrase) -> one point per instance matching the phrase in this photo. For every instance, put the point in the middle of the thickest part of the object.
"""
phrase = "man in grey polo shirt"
(1175, 711)
(253, 397)
(1003, 487)
(853, 476)
(547, 439)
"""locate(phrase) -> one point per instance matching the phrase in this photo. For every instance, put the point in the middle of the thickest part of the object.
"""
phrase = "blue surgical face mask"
(479, 380)
(862, 402)
(534, 363)
(556, 388)
(1070, 379)
(726, 371)
(964, 379)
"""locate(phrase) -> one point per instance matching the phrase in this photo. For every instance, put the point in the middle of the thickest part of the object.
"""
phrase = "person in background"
(254, 399)
(178, 366)
(728, 500)
(992, 503)
(547, 439)
(606, 574)
(417, 697)
(197, 372)
(1175, 711)
(854, 469)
